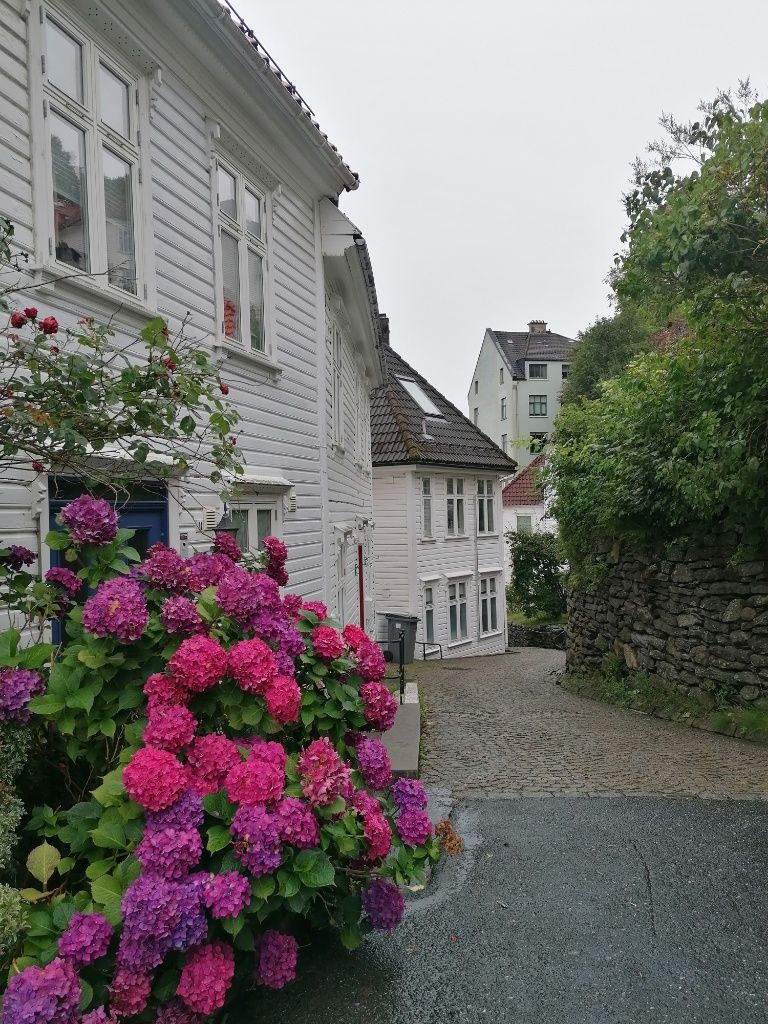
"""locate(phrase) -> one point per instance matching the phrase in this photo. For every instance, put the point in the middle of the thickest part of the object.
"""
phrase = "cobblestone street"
(501, 727)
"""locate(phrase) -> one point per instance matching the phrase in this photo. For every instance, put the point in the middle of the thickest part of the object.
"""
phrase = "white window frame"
(246, 241)
(475, 415)
(501, 375)
(529, 527)
(362, 425)
(503, 445)
(455, 505)
(503, 410)
(458, 598)
(86, 117)
(542, 402)
(488, 604)
(429, 613)
(565, 369)
(538, 375)
(337, 382)
(427, 509)
(252, 507)
(486, 507)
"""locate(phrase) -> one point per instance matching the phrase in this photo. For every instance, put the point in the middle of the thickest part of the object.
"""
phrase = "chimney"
(384, 327)
(537, 327)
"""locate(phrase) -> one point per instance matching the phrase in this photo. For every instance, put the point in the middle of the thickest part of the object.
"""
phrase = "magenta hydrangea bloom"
(164, 568)
(17, 687)
(99, 1016)
(161, 690)
(169, 853)
(327, 643)
(199, 663)
(256, 835)
(117, 609)
(226, 544)
(250, 599)
(298, 825)
(206, 976)
(86, 939)
(252, 665)
(414, 827)
(376, 828)
(374, 763)
(43, 995)
(175, 1012)
(276, 957)
(180, 617)
(383, 904)
(259, 780)
(354, 636)
(210, 759)
(226, 894)
(371, 665)
(170, 727)
(204, 570)
(129, 992)
(160, 915)
(277, 555)
(18, 556)
(317, 608)
(90, 520)
(185, 813)
(379, 706)
(283, 699)
(292, 605)
(324, 776)
(65, 578)
(409, 795)
(154, 778)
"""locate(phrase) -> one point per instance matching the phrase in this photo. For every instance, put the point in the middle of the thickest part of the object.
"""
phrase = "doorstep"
(403, 739)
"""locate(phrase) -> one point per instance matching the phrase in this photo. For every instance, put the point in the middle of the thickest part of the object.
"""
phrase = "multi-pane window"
(537, 405)
(362, 427)
(489, 614)
(91, 113)
(243, 247)
(485, 510)
(426, 508)
(538, 441)
(503, 408)
(254, 523)
(537, 370)
(524, 524)
(566, 367)
(501, 375)
(504, 443)
(429, 614)
(455, 506)
(457, 611)
(475, 415)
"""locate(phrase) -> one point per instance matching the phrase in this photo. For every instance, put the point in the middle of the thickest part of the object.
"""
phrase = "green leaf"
(43, 861)
(57, 540)
(130, 697)
(351, 936)
(218, 838)
(32, 895)
(109, 835)
(9, 644)
(111, 790)
(262, 888)
(97, 868)
(36, 655)
(46, 705)
(107, 727)
(106, 889)
(66, 864)
(314, 868)
(92, 658)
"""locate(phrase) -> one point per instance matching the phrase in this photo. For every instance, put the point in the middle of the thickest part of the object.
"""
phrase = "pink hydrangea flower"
(226, 894)
(164, 568)
(298, 825)
(163, 690)
(327, 643)
(61, 577)
(376, 828)
(90, 520)
(252, 665)
(276, 957)
(374, 763)
(226, 544)
(206, 976)
(168, 852)
(259, 780)
(204, 570)
(277, 554)
(317, 608)
(379, 706)
(180, 617)
(371, 665)
(354, 636)
(154, 778)
(324, 776)
(117, 609)
(292, 605)
(86, 939)
(199, 663)
(129, 992)
(210, 759)
(170, 727)
(414, 827)
(283, 699)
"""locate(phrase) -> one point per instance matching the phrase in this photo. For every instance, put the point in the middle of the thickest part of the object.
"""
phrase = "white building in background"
(514, 396)
(158, 149)
(438, 537)
(525, 506)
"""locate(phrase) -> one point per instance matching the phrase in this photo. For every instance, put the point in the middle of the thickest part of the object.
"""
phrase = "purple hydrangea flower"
(226, 544)
(18, 557)
(227, 894)
(169, 853)
(414, 827)
(256, 837)
(374, 763)
(185, 813)
(43, 995)
(409, 795)
(17, 687)
(383, 904)
(298, 824)
(86, 939)
(163, 567)
(90, 520)
(252, 600)
(65, 578)
(158, 916)
(180, 617)
(117, 609)
(175, 1012)
(98, 1016)
(276, 958)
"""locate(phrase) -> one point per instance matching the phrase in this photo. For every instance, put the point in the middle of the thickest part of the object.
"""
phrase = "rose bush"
(216, 788)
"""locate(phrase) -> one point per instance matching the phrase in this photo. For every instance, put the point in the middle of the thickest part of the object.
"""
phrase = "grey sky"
(494, 140)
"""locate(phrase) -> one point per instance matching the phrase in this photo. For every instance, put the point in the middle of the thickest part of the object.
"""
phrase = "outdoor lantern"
(227, 524)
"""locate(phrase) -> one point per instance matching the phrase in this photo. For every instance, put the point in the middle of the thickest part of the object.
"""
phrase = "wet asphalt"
(566, 911)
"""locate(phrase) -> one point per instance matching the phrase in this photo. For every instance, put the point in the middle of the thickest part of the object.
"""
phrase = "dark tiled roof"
(398, 424)
(517, 346)
(522, 489)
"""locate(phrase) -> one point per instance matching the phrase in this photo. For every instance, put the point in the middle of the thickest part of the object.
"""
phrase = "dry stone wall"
(693, 615)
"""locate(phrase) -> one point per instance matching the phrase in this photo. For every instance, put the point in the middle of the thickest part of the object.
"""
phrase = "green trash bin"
(397, 623)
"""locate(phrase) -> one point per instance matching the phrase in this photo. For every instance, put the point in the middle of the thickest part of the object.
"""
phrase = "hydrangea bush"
(220, 789)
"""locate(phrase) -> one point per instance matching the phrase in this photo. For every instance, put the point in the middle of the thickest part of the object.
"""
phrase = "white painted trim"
(321, 377)
(460, 643)
(464, 574)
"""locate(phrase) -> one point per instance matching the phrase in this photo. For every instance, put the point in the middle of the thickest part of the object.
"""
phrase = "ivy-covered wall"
(693, 614)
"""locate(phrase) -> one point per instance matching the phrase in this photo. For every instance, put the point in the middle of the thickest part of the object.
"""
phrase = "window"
(503, 408)
(504, 443)
(485, 510)
(537, 370)
(426, 508)
(455, 506)
(91, 106)
(421, 398)
(524, 524)
(537, 405)
(429, 615)
(489, 614)
(565, 368)
(254, 522)
(475, 415)
(501, 375)
(475, 387)
(243, 250)
(362, 429)
(337, 380)
(457, 611)
(538, 441)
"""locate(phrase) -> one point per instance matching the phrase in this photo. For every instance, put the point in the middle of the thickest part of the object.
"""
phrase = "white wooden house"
(158, 150)
(525, 506)
(438, 534)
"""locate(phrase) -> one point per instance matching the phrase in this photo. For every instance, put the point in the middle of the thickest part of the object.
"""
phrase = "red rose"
(38, 467)
(233, 439)
(50, 325)
(167, 361)
(224, 388)
(18, 319)
(55, 349)
(30, 312)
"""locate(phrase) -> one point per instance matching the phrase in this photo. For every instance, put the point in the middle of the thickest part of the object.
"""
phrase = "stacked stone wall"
(692, 614)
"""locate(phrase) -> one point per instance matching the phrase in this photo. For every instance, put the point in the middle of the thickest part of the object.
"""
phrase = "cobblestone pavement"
(501, 727)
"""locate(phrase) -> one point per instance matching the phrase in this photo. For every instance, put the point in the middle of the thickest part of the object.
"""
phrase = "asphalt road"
(566, 911)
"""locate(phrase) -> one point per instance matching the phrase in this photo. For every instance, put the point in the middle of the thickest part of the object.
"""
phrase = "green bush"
(13, 923)
(538, 584)
(14, 746)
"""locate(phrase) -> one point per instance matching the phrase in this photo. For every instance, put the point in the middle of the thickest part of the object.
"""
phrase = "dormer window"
(419, 396)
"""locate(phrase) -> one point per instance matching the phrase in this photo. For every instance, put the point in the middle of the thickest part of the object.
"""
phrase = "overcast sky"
(494, 140)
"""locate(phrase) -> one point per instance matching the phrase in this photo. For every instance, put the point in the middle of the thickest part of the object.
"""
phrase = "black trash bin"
(395, 625)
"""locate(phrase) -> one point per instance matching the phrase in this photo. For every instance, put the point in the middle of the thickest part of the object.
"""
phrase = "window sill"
(488, 636)
(87, 285)
(232, 352)
(460, 643)
(457, 536)
(488, 536)
(428, 540)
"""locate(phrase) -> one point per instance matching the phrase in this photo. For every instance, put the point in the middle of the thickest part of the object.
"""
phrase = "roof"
(518, 346)
(402, 433)
(522, 489)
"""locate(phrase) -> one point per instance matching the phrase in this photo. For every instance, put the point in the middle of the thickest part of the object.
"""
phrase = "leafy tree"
(604, 350)
(537, 588)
